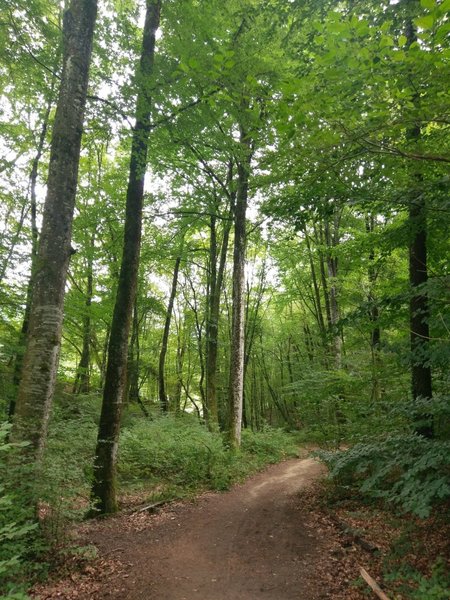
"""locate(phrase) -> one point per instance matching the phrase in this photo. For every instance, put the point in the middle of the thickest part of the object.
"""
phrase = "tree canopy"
(260, 229)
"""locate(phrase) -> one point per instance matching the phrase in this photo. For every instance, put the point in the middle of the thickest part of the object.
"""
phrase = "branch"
(112, 105)
(182, 109)
(382, 149)
(397, 152)
(373, 584)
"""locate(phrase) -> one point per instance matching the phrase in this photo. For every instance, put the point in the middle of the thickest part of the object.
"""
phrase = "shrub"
(406, 470)
(414, 585)
(269, 445)
(18, 528)
(179, 450)
(183, 452)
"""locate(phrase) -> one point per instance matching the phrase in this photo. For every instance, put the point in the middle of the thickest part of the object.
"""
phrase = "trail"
(251, 543)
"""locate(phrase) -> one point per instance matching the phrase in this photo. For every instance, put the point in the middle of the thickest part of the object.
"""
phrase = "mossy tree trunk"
(104, 486)
(42, 350)
(18, 362)
(421, 379)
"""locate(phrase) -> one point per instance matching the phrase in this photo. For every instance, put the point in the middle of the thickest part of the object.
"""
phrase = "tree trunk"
(181, 349)
(212, 323)
(82, 379)
(132, 386)
(323, 276)
(18, 362)
(199, 325)
(375, 334)
(332, 240)
(418, 277)
(236, 387)
(41, 356)
(319, 310)
(104, 486)
(421, 380)
(163, 399)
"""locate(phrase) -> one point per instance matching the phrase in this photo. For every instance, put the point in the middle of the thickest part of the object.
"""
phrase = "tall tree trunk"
(323, 275)
(374, 313)
(103, 359)
(212, 323)
(236, 387)
(82, 379)
(421, 380)
(181, 349)
(319, 310)
(199, 325)
(132, 385)
(41, 356)
(104, 486)
(332, 240)
(18, 362)
(163, 399)
(309, 343)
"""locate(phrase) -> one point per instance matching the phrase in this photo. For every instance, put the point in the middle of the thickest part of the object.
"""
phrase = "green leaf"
(402, 40)
(193, 63)
(425, 22)
(430, 4)
(386, 41)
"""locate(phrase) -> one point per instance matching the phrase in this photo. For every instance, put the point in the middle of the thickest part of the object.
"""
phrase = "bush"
(183, 452)
(406, 470)
(18, 527)
(179, 450)
(269, 445)
(414, 585)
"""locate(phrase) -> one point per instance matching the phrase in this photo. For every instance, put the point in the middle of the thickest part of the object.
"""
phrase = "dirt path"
(250, 543)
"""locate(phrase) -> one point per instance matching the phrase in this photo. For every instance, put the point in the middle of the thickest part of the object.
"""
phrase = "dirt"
(251, 543)
(274, 537)
(278, 536)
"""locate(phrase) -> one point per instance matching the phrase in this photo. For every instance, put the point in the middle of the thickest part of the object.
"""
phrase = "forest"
(224, 240)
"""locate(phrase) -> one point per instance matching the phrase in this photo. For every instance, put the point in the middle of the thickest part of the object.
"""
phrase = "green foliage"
(406, 470)
(415, 586)
(18, 527)
(67, 464)
(269, 445)
(167, 449)
(182, 452)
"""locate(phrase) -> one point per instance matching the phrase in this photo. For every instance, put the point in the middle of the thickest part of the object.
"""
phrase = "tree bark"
(104, 485)
(374, 314)
(41, 356)
(319, 310)
(82, 379)
(18, 362)
(163, 399)
(421, 380)
(332, 241)
(181, 349)
(212, 323)
(236, 386)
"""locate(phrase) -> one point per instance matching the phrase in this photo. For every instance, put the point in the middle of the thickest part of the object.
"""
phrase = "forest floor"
(269, 538)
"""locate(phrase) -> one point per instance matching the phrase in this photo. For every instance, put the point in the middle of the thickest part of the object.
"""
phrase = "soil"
(251, 543)
(274, 537)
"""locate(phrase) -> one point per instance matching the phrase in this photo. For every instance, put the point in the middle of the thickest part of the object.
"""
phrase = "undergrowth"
(408, 475)
(170, 456)
(183, 452)
(408, 471)
(20, 540)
